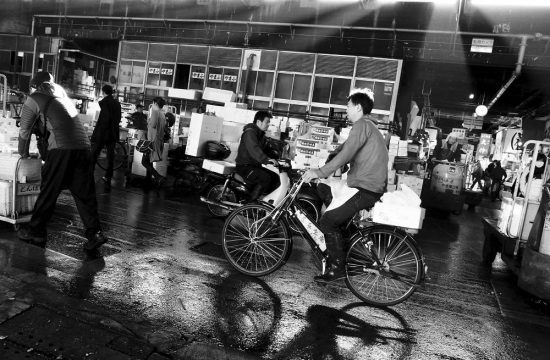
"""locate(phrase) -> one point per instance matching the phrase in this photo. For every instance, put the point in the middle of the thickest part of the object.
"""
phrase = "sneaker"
(95, 242)
(26, 235)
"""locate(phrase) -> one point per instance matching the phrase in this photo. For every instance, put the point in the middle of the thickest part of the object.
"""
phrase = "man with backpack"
(49, 113)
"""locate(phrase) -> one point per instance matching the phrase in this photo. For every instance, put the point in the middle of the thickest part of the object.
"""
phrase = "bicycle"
(384, 265)
(120, 156)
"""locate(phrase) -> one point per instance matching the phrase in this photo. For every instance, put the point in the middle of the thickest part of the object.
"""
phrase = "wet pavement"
(161, 289)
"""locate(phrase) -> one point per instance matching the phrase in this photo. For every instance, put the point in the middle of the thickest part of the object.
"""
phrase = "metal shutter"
(376, 69)
(296, 62)
(225, 57)
(133, 50)
(163, 52)
(190, 54)
(335, 65)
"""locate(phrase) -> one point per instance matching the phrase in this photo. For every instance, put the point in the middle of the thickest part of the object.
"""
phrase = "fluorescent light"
(501, 3)
(471, 96)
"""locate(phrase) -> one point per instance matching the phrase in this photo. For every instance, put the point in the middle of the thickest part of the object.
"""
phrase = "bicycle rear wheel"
(120, 157)
(216, 193)
(398, 274)
(252, 243)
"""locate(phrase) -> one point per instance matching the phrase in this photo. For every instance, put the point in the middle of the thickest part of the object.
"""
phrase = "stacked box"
(236, 105)
(402, 148)
(391, 177)
(413, 182)
(307, 143)
(231, 131)
(202, 129)
(218, 95)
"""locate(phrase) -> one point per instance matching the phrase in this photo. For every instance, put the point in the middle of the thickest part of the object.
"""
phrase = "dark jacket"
(498, 174)
(252, 146)
(106, 129)
(64, 129)
(441, 152)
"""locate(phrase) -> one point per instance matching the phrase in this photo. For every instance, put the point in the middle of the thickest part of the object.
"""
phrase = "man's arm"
(29, 113)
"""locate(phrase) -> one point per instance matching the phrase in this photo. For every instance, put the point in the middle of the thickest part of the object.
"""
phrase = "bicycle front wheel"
(252, 243)
(391, 279)
(119, 158)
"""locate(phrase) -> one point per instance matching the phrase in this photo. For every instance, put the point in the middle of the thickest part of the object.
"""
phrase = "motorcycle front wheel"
(216, 193)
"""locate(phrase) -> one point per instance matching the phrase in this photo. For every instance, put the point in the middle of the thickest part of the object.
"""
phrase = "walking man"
(106, 131)
(50, 114)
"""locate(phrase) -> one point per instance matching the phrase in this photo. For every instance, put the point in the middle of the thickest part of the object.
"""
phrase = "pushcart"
(511, 234)
(18, 198)
(449, 199)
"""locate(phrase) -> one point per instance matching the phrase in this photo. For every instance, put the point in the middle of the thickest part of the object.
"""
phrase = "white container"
(410, 217)
(217, 166)
(231, 131)
(24, 204)
(29, 168)
(202, 129)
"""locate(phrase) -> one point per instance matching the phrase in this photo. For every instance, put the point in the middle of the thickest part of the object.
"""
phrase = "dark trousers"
(331, 220)
(258, 175)
(148, 165)
(66, 169)
(495, 189)
(96, 150)
(476, 181)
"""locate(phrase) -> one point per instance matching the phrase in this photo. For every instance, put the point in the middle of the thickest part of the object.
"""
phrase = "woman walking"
(155, 133)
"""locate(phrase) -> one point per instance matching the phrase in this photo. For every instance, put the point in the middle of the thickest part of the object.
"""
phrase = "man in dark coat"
(106, 131)
(251, 155)
(49, 113)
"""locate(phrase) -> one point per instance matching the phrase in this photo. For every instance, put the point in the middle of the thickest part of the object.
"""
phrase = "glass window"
(27, 62)
(261, 105)
(298, 109)
(138, 72)
(283, 89)
(340, 91)
(301, 87)
(166, 75)
(125, 71)
(214, 77)
(364, 84)
(315, 110)
(182, 76)
(264, 84)
(153, 73)
(321, 89)
(229, 81)
(280, 106)
(197, 78)
(5, 60)
(250, 82)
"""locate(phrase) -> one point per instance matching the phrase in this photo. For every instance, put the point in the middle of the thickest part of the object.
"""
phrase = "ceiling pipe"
(257, 23)
(516, 73)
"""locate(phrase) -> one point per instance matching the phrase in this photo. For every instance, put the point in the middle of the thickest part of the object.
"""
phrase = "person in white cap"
(450, 150)
(366, 151)
(65, 148)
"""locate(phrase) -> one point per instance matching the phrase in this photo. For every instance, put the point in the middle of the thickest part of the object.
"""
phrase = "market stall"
(521, 234)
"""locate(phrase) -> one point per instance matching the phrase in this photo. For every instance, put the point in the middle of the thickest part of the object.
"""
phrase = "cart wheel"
(489, 251)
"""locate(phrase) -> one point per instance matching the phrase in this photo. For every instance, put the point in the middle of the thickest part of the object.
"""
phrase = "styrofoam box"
(217, 166)
(184, 94)
(413, 182)
(202, 129)
(410, 217)
(231, 131)
(322, 130)
(28, 168)
(306, 151)
(236, 105)
(322, 138)
(308, 143)
(218, 95)
(24, 203)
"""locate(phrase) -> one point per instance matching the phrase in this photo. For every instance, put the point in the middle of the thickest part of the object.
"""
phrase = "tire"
(121, 156)
(310, 208)
(249, 253)
(379, 286)
(489, 252)
(215, 194)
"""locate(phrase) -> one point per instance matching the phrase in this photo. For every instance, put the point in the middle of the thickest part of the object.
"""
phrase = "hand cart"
(512, 234)
(18, 199)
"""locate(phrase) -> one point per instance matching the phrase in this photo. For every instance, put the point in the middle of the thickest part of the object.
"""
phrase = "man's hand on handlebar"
(310, 175)
(273, 162)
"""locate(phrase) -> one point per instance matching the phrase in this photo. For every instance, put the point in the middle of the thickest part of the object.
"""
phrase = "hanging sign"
(482, 45)
(197, 75)
(484, 144)
(154, 70)
(214, 77)
(230, 78)
(167, 71)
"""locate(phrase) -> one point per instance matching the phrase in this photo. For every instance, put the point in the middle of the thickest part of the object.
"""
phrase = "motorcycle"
(233, 191)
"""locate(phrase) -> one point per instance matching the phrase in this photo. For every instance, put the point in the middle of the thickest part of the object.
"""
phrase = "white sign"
(255, 65)
(482, 45)
(197, 75)
(230, 78)
(214, 77)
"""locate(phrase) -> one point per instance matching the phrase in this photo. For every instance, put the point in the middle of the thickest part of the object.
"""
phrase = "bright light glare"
(471, 96)
(501, 3)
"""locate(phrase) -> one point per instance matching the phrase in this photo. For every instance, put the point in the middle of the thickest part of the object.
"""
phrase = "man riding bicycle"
(366, 151)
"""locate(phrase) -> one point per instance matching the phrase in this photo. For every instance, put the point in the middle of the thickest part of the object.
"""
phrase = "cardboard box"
(202, 129)
(308, 143)
(217, 166)
(391, 177)
(327, 139)
(410, 217)
(414, 182)
(306, 151)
